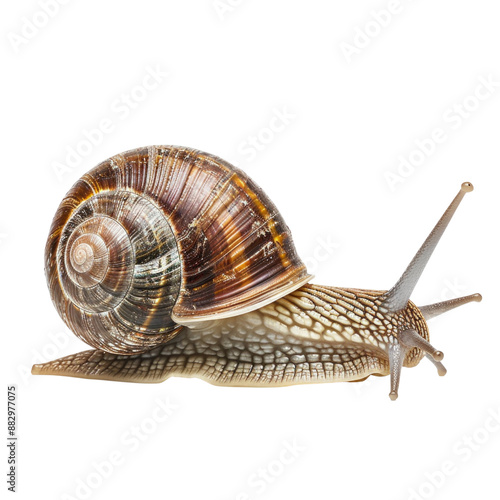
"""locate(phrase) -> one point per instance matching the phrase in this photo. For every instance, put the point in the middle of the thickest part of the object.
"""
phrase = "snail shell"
(160, 237)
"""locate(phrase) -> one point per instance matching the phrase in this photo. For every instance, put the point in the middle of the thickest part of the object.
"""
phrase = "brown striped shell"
(159, 237)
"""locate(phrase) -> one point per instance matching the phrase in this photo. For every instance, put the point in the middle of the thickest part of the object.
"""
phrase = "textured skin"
(162, 236)
(315, 334)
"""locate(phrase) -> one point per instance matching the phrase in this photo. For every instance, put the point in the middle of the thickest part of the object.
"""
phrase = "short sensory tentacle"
(411, 338)
(440, 367)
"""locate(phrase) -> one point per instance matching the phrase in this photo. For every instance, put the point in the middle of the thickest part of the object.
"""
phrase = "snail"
(172, 262)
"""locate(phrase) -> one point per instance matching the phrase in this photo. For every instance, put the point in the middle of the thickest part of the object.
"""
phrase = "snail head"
(412, 332)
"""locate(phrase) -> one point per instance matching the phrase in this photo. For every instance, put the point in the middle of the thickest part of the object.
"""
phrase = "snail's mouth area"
(411, 318)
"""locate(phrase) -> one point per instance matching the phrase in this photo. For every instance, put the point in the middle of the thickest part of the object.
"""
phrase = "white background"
(229, 71)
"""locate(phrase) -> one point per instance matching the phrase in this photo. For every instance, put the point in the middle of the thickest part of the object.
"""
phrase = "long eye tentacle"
(397, 297)
(433, 310)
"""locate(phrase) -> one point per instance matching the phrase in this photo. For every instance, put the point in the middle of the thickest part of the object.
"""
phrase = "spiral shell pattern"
(163, 236)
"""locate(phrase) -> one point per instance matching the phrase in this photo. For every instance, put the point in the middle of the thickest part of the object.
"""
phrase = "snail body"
(169, 261)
